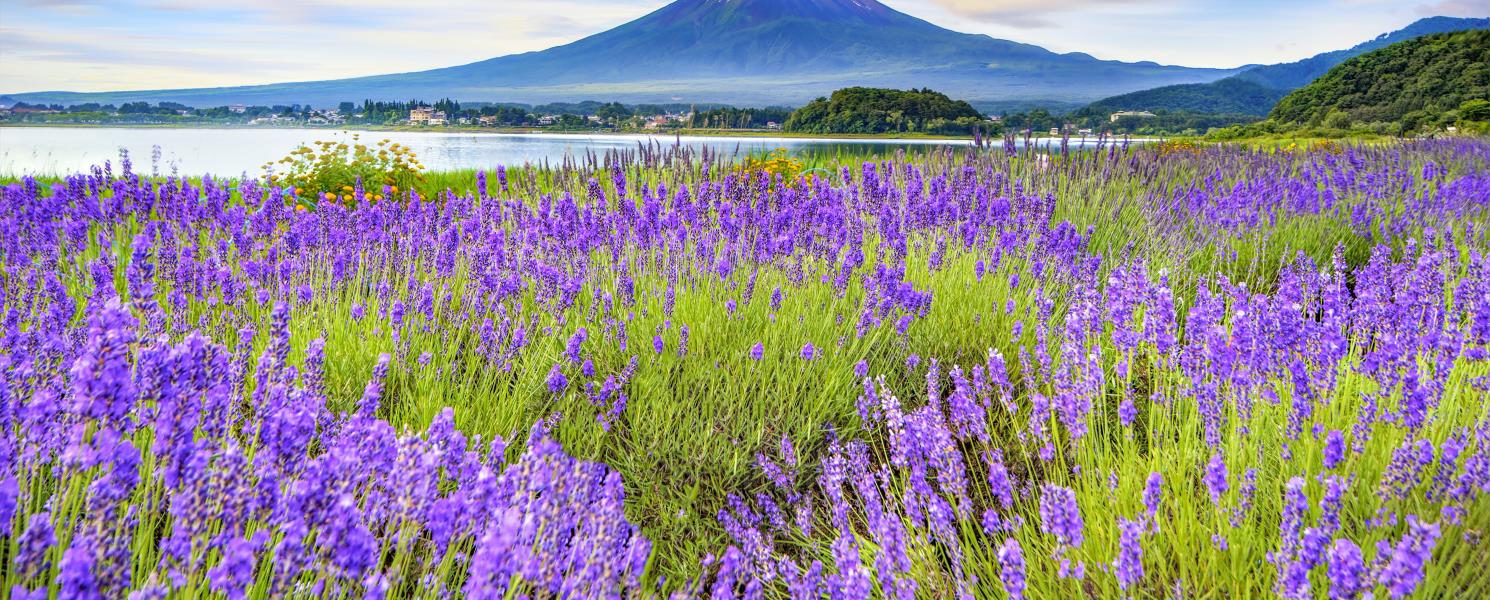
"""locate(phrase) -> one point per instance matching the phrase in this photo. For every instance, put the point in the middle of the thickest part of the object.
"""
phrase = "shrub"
(778, 163)
(331, 171)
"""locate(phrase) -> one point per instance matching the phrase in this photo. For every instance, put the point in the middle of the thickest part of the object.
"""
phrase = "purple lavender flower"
(999, 483)
(556, 380)
(575, 345)
(75, 577)
(1060, 516)
(1153, 492)
(1346, 570)
(1127, 412)
(234, 573)
(1404, 571)
(1334, 449)
(1128, 567)
(809, 351)
(757, 351)
(35, 541)
(1011, 568)
(1215, 478)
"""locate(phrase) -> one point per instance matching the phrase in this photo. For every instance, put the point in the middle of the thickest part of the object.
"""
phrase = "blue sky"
(96, 45)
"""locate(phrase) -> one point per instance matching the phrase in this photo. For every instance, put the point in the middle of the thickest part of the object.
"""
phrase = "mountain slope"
(1256, 90)
(738, 51)
(1229, 95)
(1430, 74)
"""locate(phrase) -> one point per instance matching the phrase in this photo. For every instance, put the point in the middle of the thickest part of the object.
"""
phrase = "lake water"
(230, 152)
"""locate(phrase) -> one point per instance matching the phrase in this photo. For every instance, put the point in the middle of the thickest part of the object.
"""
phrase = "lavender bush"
(1120, 373)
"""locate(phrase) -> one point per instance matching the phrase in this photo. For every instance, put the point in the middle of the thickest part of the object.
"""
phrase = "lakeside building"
(1123, 114)
(426, 116)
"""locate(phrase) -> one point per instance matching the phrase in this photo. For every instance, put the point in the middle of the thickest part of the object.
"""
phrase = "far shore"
(744, 133)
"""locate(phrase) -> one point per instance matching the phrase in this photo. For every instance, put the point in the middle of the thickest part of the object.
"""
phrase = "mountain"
(734, 51)
(1404, 82)
(1255, 90)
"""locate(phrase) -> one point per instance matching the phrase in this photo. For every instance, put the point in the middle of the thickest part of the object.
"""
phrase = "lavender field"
(1130, 372)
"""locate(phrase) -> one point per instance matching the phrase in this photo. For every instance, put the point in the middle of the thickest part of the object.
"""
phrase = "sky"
(98, 45)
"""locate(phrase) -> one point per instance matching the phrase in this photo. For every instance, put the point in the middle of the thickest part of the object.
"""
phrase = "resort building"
(426, 116)
(1128, 113)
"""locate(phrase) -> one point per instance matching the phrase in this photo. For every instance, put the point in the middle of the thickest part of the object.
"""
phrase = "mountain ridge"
(1401, 83)
(1255, 91)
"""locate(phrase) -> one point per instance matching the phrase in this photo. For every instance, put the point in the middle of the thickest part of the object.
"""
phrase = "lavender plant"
(1130, 372)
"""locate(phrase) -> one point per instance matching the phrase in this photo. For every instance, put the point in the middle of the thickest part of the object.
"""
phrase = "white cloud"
(1027, 13)
(84, 45)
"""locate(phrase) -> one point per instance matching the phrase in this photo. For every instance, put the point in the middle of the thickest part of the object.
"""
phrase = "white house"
(1128, 113)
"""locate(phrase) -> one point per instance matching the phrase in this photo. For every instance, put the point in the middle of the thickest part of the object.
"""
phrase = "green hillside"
(1230, 95)
(1410, 83)
(1256, 90)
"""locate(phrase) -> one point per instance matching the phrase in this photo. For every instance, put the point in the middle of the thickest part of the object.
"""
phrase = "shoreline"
(688, 133)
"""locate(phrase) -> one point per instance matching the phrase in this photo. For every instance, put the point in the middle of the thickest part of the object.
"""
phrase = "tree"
(874, 110)
(1475, 110)
(1337, 119)
(612, 111)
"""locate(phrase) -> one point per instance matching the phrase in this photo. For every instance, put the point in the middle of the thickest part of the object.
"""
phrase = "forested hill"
(1407, 82)
(873, 110)
(1230, 95)
(1256, 90)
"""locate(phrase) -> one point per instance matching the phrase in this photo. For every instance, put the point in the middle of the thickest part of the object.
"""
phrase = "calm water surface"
(231, 152)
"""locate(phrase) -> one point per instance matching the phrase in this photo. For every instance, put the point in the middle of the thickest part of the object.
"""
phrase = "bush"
(330, 171)
(778, 163)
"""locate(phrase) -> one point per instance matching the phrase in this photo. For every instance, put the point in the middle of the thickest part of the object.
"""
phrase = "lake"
(230, 152)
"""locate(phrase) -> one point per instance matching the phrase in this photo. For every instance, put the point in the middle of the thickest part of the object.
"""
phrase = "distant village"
(589, 115)
(446, 113)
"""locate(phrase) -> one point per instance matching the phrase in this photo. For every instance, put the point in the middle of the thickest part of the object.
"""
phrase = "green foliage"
(1230, 95)
(1414, 82)
(739, 118)
(1257, 90)
(874, 110)
(327, 171)
(1475, 110)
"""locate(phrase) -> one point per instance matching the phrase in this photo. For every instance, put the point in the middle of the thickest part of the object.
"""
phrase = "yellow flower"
(300, 207)
(299, 191)
(378, 197)
(330, 196)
